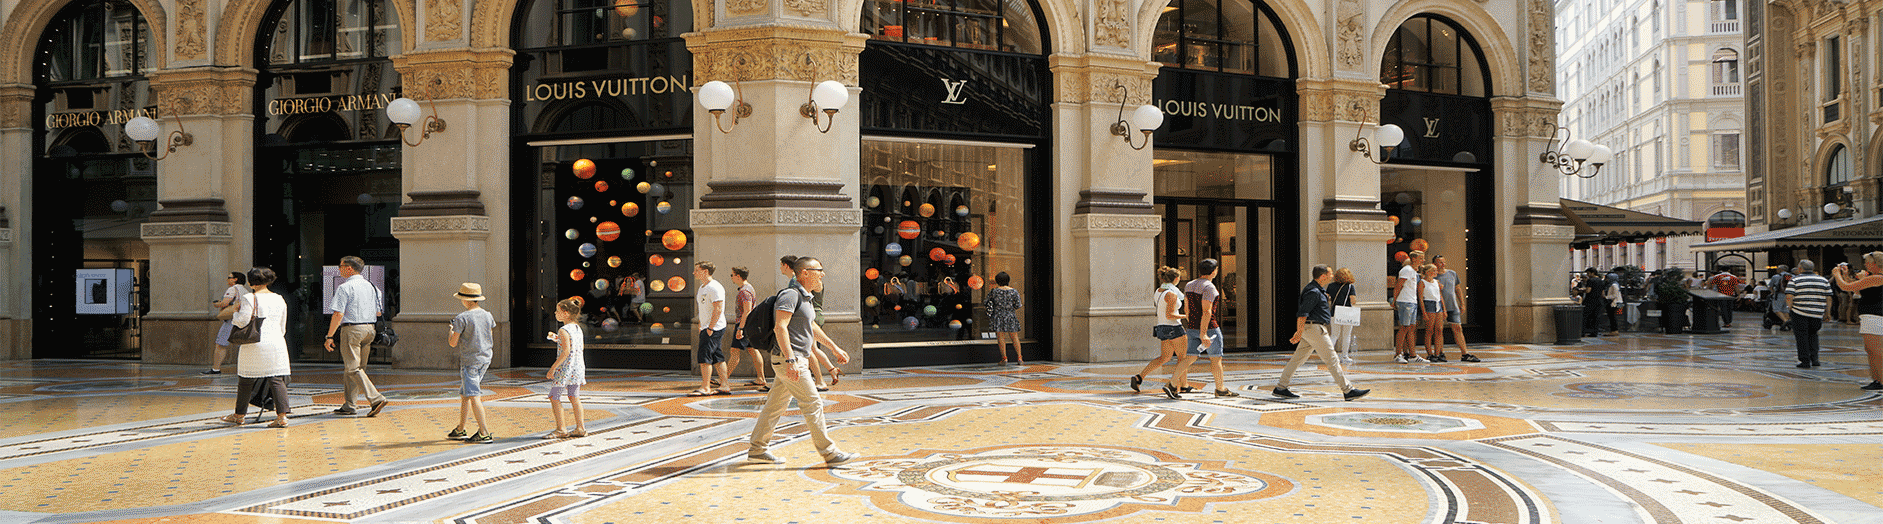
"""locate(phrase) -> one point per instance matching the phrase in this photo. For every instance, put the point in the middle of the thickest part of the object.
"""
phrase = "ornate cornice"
(775, 193)
(471, 74)
(1340, 100)
(1099, 223)
(1542, 234)
(802, 54)
(468, 227)
(1525, 117)
(204, 91)
(846, 218)
(1355, 229)
(186, 232)
(1095, 78)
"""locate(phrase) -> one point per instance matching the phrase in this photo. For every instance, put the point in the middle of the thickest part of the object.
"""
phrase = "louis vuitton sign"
(605, 87)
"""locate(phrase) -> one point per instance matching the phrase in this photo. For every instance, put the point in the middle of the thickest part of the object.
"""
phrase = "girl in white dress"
(567, 374)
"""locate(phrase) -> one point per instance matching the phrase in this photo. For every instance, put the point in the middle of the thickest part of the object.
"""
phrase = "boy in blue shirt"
(472, 328)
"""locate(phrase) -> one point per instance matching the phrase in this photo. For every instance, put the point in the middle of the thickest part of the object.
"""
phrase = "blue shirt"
(356, 300)
(473, 327)
(1313, 304)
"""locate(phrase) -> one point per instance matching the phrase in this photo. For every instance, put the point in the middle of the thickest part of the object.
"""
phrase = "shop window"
(1727, 218)
(940, 222)
(1232, 36)
(1431, 54)
(992, 25)
(330, 30)
(590, 65)
(94, 40)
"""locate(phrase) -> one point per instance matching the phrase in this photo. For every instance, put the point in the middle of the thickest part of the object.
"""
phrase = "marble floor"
(1638, 428)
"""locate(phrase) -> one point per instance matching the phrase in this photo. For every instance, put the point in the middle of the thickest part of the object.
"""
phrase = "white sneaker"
(1399, 358)
(1419, 360)
(1348, 361)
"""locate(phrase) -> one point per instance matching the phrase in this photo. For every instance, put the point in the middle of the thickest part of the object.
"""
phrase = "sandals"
(723, 392)
(1171, 391)
(836, 375)
(757, 383)
(553, 435)
(702, 392)
(579, 432)
(278, 423)
(232, 419)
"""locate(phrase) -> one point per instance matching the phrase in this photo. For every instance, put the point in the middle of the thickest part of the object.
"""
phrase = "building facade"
(977, 139)
(1659, 82)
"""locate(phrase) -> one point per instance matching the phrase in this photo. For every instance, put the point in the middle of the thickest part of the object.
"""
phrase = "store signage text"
(97, 118)
(606, 87)
(955, 88)
(1431, 127)
(1219, 111)
(328, 104)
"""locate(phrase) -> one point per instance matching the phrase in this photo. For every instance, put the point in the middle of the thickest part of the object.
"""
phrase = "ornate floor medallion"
(1623, 390)
(1030, 482)
(1394, 422)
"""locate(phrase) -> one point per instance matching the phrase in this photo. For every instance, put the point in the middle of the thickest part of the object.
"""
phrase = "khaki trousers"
(1315, 339)
(355, 342)
(783, 390)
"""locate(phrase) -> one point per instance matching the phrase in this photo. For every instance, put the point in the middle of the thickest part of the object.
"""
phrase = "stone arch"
(1814, 173)
(1505, 67)
(238, 32)
(1304, 33)
(28, 21)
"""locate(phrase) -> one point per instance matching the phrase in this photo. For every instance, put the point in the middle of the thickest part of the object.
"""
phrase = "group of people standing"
(1428, 297)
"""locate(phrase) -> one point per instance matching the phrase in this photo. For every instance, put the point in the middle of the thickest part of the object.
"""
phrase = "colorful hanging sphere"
(642, 187)
(667, 309)
(609, 325)
(612, 203)
(601, 284)
(630, 209)
(614, 261)
(673, 240)
(677, 262)
(677, 284)
(908, 229)
(1419, 244)
(926, 210)
(1400, 257)
(586, 250)
(874, 201)
(968, 240)
(929, 311)
(1393, 218)
(910, 322)
(584, 168)
(607, 231)
(657, 285)
(592, 220)
(627, 8)
(663, 207)
(579, 301)
(905, 261)
(646, 308)
(952, 324)
(657, 189)
(1416, 221)
(669, 174)
(940, 234)
(601, 186)
(655, 260)
(657, 328)
(872, 273)
(627, 173)
(893, 249)
(577, 274)
(949, 259)
(575, 202)
(571, 234)
(871, 301)
(936, 254)
(975, 282)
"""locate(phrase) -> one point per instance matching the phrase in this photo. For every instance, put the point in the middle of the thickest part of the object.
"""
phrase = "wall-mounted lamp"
(1784, 214)
(1840, 202)
(828, 97)
(1389, 137)
(717, 97)
(404, 112)
(144, 131)
(1145, 119)
(1569, 157)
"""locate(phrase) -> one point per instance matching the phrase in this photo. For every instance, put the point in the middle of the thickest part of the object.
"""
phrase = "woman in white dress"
(263, 364)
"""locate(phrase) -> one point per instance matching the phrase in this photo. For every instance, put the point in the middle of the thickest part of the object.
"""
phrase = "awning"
(1833, 233)
(1595, 222)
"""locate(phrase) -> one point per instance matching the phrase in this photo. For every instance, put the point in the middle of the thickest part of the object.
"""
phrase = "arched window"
(1232, 36)
(330, 30)
(1837, 168)
(1429, 53)
(562, 23)
(994, 25)
(94, 40)
(1725, 66)
(1727, 218)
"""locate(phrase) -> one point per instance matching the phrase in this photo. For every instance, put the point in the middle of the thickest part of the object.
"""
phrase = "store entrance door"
(1196, 230)
(326, 202)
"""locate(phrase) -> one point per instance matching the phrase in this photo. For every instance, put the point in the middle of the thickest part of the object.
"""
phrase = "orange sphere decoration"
(968, 240)
(950, 259)
(607, 231)
(872, 273)
(1394, 219)
(584, 168)
(630, 209)
(1419, 244)
(677, 284)
(975, 282)
(908, 230)
(576, 274)
(655, 260)
(627, 8)
(657, 285)
(601, 186)
(674, 240)
(1400, 256)
(926, 210)
(937, 254)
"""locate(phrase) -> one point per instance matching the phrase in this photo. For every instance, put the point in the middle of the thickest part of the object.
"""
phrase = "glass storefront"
(327, 160)
(604, 179)
(92, 190)
(1221, 206)
(940, 221)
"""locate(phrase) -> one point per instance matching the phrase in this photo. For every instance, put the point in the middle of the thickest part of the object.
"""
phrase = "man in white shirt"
(1406, 308)
(355, 307)
(710, 307)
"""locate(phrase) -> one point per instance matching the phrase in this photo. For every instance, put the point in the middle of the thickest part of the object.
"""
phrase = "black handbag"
(383, 335)
(251, 333)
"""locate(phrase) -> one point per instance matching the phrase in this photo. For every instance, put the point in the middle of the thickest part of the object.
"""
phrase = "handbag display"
(250, 333)
(1346, 316)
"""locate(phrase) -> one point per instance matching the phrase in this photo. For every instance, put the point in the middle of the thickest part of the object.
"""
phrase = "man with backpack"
(794, 336)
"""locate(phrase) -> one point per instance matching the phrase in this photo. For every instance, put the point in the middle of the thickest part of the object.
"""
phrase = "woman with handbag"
(238, 287)
(1340, 296)
(262, 360)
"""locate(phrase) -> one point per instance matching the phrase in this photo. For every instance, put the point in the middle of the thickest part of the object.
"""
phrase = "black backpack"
(761, 323)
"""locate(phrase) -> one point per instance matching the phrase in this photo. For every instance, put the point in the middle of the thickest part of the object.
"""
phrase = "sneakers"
(377, 405)
(1224, 393)
(1417, 360)
(1346, 361)
(1171, 391)
(481, 438)
(837, 458)
(1438, 358)
(1469, 358)
(1399, 358)
(456, 434)
(763, 458)
(211, 371)
(345, 412)
(1284, 393)
(1356, 393)
(1873, 386)
(1136, 381)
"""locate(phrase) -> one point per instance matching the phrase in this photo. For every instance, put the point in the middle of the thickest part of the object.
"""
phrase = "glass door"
(1197, 231)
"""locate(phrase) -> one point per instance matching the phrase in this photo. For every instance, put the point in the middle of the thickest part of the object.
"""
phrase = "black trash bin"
(1706, 311)
(1650, 317)
(1568, 325)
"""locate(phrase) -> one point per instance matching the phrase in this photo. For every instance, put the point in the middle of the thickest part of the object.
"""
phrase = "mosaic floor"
(1641, 428)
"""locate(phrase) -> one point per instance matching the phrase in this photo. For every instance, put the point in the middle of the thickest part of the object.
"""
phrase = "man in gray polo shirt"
(797, 333)
(355, 307)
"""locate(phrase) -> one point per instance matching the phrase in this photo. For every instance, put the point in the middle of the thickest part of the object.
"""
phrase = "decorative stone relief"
(790, 60)
(441, 224)
(1120, 223)
(1542, 47)
(13, 112)
(159, 231)
(444, 20)
(852, 218)
(1351, 49)
(204, 93)
(192, 31)
(807, 8)
(1379, 228)
(455, 75)
(1542, 234)
(1113, 28)
(744, 7)
(1103, 87)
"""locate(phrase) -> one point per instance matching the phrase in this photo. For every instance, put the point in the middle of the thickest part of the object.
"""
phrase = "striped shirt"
(1810, 293)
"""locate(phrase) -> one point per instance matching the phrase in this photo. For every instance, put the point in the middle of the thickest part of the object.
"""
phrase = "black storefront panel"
(1218, 111)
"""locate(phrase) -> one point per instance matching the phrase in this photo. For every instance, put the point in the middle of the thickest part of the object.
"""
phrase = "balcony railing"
(1726, 90)
(1723, 26)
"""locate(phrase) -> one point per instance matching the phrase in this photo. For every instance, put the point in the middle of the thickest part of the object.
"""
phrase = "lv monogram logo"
(955, 91)
(1431, 127)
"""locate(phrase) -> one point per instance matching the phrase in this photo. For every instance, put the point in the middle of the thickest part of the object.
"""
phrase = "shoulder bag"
(383, 335)
(1346, 315)
(252, 332)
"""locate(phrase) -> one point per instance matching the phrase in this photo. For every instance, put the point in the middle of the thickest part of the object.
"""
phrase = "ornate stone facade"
(192, 30)
(444, 20)
(775, 53)
(1351, 47)
(186, 231)
(456, 74)
(1542, 66)
(1111, 28)
(851, 218)
(204, 91)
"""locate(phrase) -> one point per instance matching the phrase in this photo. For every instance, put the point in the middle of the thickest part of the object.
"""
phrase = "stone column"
(1102, 188)
(1342, 189)
(773, 184)
(1531, 275)
(16, 168)
(458, 184)
(203, 230)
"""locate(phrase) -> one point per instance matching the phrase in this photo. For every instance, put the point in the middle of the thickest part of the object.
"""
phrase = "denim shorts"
(1196, 339)
(1454, 317)
(1167, 331)
(222, 335)
(1405, 313)
(473, 379)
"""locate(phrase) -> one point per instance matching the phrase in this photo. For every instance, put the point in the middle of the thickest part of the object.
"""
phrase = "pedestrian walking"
(238, 287)
(471, 334)
(1168, 329)
(567, 375)
(744, 300)
(1725, 282)
(350, 330)
(1202, 329)
(797, 334)
(1312, 315)
(1340, 294)
(1593, 289)
(1867, 285)
(1003, 306)
(820, 363)
(709, 303)
(262, 364)
(1454, 307)
(1809, 297)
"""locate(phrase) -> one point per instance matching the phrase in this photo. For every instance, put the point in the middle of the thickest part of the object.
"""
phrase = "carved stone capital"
(1095, 78)
(1542, 234)
(1339, 100)
(784, 217)
(1355, 229)
(471, 74)
(192, 210)
(1352, 208)
(443, 227)
(1525, 117)
(1108, 224)
(16, 103)
(186, 232)
(1105, 201)
(1550, 215)
(804, 54)
(204, 91)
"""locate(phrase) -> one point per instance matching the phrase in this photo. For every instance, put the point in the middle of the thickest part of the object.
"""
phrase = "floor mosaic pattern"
(1638, 428)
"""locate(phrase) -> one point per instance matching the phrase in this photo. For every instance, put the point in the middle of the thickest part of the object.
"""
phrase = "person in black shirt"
(1312, 314)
